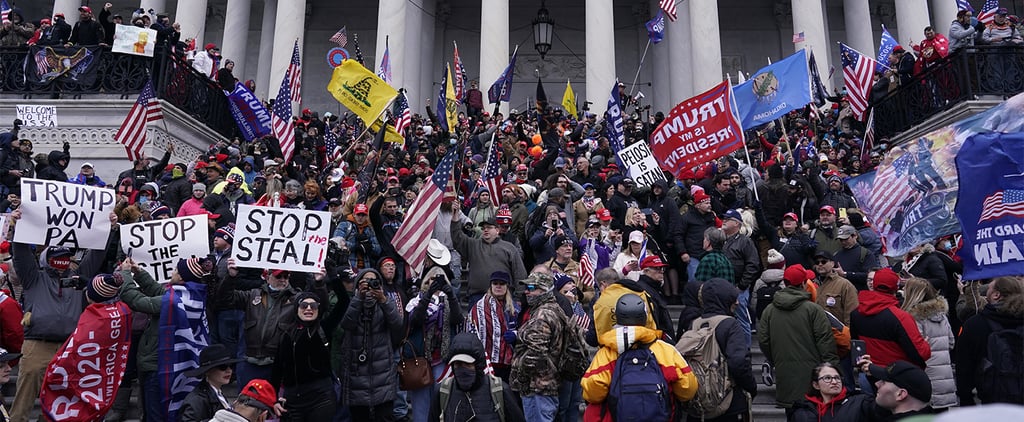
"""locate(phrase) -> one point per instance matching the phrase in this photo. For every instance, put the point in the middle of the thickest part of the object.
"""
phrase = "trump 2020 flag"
(656, 28)
(885, 47)
(501, 89)
(615, 126)
(183, 334)
(774, 90)
(991, 207)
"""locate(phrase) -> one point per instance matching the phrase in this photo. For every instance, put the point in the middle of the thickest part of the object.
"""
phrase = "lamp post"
(542, 28)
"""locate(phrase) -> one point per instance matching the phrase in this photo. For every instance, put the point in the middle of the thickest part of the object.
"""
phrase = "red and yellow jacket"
(598, 377)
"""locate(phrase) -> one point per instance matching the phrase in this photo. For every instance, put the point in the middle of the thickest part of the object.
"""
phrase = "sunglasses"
(822, 261)
(224, 367)
(309, 305)
(531, 287)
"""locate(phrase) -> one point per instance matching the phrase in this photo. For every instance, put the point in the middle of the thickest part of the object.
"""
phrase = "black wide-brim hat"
(211, 357)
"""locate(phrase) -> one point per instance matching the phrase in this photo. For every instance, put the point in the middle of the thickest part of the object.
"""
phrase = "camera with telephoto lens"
(374, 284)
(73, 282)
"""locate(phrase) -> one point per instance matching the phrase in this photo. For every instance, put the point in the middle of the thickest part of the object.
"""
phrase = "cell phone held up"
(857, 349)
(73, 282)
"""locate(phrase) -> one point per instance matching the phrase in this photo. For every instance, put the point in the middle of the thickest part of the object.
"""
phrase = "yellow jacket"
(598, 377)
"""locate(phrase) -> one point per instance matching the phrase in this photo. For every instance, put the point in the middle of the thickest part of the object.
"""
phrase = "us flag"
(403, 116)
(491, 176)
(669, 6)
(988, 11)
(460, 75)
(340, 37)
(295, 70)
(586, 274)
(132, 133)
(384, 72)
(891, 188)
(1005, 202)
(858, 74)
(281, 117)
(331, 143)
(964, 5)
(869, 140)
(5, 11)
(412, 238)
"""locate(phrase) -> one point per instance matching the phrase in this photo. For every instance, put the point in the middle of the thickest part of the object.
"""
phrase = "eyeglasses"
(830, 378)
(531, 287)
(822, 261)
(224, 367)
(309, 305)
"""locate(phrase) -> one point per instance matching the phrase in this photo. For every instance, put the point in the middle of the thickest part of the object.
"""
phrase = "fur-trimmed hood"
(929, 309)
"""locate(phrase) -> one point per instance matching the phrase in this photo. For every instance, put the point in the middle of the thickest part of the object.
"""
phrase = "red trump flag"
(698, 130)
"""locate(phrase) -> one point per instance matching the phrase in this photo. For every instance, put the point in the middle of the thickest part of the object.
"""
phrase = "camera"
(374, 284)
(73, 282)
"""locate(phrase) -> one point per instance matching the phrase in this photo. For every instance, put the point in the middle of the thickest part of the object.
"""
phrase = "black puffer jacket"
(372, 331)
(718, 296)
(53, 170)
(668, 230)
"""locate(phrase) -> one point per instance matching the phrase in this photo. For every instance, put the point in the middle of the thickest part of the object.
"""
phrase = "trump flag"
(698, 130)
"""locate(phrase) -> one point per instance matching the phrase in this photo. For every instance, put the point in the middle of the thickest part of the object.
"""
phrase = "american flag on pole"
(858, 75)
(132, 133)
(384, 72)
(295, 70)
(891, 188)
(869, 140)
(669, 6)
(491, 177)
(799, 37)
(586, 274)
(5, 11)
(403, 116)
(460, 75)
(988, 11)
(281, 118)
(1004, 202)
(964, 5)
(412, 238)
(340, 37)
(331, 144)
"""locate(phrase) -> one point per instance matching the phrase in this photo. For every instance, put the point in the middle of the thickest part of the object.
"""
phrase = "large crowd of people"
(516, 291)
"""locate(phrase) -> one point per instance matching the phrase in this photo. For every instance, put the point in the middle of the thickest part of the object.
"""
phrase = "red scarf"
(823, 407)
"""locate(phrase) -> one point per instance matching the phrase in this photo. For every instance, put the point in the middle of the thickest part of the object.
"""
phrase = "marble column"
(411, 55)
(911, 19)
(809, 18)
(191, 14)
(943, 14)
(158, 6)
(680, 50)
(427, 63)
(600, 54)
(705, 35)
(290, 25)
(266, 50)
(494, 49)
(236, 34)
(70, 10)
(859, 28)
(391, 26)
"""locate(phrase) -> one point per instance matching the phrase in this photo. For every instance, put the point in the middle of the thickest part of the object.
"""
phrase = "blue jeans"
(247, 372)
(691, 268)
(229, 330)
(569, 395)
(151, 397)
(401, 400)
(420, 398)
(743, 313)
(538, 408)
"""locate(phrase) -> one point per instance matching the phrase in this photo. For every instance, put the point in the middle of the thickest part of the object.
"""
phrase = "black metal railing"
(174, 80)
(965, 75)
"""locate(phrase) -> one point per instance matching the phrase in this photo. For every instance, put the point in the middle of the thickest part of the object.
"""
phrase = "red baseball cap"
(276, 273)
(603, 214)
(262, 394)
(791, 215)
(886, 281)
(827, 208)
(652, 261)
(700, 196)
(209, 46)
(361, 209)
(85, 9)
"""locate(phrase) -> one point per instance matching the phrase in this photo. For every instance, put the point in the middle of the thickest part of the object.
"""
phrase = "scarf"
(438, 316)
(488, 320)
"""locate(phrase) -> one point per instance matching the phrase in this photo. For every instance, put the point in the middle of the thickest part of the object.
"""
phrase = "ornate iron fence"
(965, 75)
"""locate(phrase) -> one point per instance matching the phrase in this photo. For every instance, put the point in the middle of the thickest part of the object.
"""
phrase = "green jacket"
(795, 336)
(145, 295)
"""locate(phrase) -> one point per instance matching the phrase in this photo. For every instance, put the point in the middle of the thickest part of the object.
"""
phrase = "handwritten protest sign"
(157, 245)
(64, 214)
(129, 39)
(280, 238)
(643, 168)
(37, 115)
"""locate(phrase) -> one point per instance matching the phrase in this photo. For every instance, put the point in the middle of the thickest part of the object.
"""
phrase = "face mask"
(464, 378)
(946, 245)
(143, 199)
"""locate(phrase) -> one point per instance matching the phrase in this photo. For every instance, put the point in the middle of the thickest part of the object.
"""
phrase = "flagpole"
(637, 76)
(382, 127)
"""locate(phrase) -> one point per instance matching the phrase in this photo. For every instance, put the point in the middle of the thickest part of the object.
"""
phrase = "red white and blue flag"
(412, 238)
(669, 6)
(491, 176)
(281, 117)
(964, 5)
(403, 116)
(460, 75)
(858, 76)
(5, 11)
(1004, 202)
(384, 71)
(891, 188)
(988, 11)
(183, 333)
(331, 144)
(340, 37)
(132, 133)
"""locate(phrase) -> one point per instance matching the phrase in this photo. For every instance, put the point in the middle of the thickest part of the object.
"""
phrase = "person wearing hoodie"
(54, 297)
(56, 164)
(435, 316)
(302, 368)
(930, 310)
(631, 316)
(179, 189)
(828, 400)
(889, 333)
(15, 32)
(1005, 310)
(234, 191)
(666, 231)
(540, 343)
(469, 391)
(796, 336)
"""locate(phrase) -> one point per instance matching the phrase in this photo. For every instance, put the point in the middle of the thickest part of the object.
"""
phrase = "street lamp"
(542, 27)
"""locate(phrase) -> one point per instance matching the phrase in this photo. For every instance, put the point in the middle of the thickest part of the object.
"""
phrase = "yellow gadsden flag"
(360, 90)
(569, 99)
(451, 104)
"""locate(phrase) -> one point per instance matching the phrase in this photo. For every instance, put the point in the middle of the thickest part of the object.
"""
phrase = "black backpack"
(764, 297)
(1002, 369)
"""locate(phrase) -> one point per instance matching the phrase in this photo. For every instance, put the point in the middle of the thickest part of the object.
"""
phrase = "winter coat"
(667, 231)
(718, 296)
(838, 296)
(693, 225)
(486, 258)
(18, 34)
(476, 401)
(659, 306)
(539, 350)
(598, 379)
(372, 330)
(848, 406)
(361, 242)
(177, 192)
(604, 307)
(934, 325)
(54, 309)
(200, 405)
(146, 296)
(889, 333)
(795, 335)
(972, 346)
(81, 179)
(856, 262)
(930, 267)
(961, 36)
(825, 239)
(746, 262)
(53, 170)
(87, 33)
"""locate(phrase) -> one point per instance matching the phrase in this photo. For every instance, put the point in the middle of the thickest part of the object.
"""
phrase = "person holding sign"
(54, 297)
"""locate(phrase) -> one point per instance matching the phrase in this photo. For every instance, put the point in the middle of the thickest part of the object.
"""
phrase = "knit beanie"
(160, 211)
(226, 232)
(103, 287)
(193, 269)
(776, 260)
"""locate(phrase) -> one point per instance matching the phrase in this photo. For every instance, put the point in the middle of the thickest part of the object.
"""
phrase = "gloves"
(510, 337)
(436, 284)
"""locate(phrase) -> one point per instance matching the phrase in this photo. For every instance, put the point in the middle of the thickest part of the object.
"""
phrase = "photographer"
(435, 316)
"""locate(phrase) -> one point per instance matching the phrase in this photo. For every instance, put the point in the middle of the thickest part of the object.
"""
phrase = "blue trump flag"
(183, 334)
(885, 47)
(773, 91)
(252, 117)
(501, 89)
(616, 125)
(991, 207)
(656, 28)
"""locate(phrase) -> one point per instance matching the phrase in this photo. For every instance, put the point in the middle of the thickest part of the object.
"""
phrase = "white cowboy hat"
(438, 253)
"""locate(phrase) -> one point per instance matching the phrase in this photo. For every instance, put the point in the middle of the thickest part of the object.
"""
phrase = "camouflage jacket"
(541, 339)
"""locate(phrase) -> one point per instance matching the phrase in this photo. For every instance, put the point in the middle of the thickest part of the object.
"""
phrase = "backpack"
(639, 386)
(575, 359)
(497, 395)
(764, 297)
(1002, 372)
(714, 385)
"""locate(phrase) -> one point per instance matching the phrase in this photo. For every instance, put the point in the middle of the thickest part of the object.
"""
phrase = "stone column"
(236, 34)
(425, 48)
(911, 18)
(411, 55)
(600, 54)
(704, 33)
(266, 49)
(680, 66)
(158, 6)
(70, 10)
(944, 13)
(290, 24)
(391, 25)
(494, 49)
(859, 29)
(809, 18)
(191, 14)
